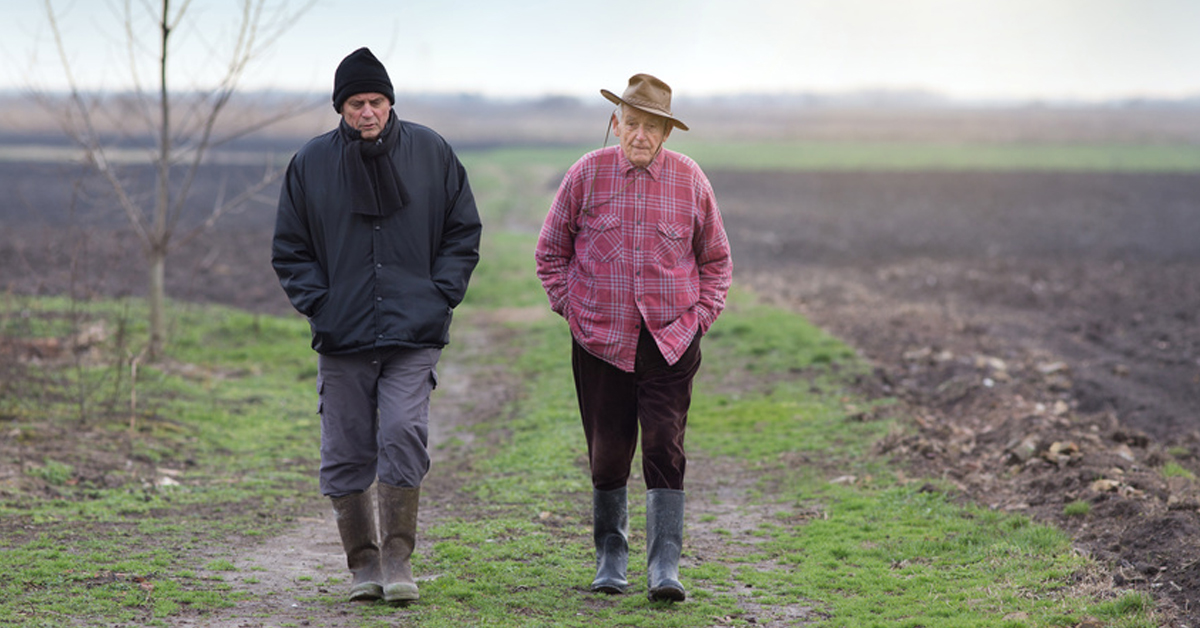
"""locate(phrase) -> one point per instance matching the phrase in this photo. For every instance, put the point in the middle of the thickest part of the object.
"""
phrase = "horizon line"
(924, 98)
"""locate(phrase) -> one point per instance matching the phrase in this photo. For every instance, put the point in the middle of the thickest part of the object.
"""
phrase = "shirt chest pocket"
(674, 243)
(600, 240)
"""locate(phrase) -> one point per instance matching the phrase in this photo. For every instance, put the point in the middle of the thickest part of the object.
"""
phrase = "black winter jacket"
(367, 281)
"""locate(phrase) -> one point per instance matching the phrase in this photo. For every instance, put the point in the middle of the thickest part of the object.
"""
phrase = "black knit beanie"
(360, 73)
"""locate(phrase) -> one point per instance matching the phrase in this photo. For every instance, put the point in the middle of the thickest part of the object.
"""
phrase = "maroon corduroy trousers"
(614, 404)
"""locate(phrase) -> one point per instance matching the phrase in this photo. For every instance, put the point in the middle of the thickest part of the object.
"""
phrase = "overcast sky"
(973, 49)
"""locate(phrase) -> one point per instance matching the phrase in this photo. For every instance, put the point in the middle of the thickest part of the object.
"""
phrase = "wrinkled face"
(367, 112)
(641, 134)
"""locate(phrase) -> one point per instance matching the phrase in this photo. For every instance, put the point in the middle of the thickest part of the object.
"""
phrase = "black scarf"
(370, 176)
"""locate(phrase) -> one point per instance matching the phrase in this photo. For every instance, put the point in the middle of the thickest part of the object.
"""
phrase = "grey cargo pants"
(374, 409)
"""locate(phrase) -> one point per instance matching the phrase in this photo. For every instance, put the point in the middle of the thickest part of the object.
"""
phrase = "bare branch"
(162, 201)
(184, 128)
(283, 24)
(131, 48)
(278, 115)
(173, 24)
(222, 207)
(245, 50)
(88, 138)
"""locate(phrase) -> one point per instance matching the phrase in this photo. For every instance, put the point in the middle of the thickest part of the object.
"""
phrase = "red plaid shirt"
(622, 245)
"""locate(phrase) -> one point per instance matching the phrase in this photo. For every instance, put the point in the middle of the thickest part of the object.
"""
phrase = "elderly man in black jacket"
(376, 237)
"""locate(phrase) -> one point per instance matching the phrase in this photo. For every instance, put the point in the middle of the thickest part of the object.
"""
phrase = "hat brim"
(616, 100)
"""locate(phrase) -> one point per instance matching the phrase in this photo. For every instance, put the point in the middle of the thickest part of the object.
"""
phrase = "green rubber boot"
(398, 523)
(356, 525)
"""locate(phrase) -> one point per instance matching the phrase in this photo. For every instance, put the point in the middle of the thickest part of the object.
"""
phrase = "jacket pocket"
(421, 316)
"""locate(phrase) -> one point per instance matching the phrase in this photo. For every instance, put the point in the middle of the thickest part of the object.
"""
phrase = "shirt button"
(379, 266)
(378, 298)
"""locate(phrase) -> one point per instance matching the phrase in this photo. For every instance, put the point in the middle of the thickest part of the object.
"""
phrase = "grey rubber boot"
(356, 525)
(398, 527)
(610, 530)
(664, 544)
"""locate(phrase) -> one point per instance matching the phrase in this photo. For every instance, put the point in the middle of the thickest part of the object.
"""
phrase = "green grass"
(228, 413)
(1078, 508)
(900, 557)
(1173, 469)
(231, 411)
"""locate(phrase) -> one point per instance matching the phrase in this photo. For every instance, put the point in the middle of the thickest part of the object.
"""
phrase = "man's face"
(367, 113)
(641, 134)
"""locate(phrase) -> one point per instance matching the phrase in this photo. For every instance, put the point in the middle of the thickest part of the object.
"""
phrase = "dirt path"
(283, 574)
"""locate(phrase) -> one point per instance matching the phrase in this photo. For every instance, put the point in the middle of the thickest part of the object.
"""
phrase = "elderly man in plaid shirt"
(633, 254)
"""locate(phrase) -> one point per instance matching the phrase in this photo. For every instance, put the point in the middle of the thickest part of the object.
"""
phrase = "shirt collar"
(653, 169)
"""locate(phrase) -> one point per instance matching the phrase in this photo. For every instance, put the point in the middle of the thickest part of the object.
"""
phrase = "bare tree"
(181, 142)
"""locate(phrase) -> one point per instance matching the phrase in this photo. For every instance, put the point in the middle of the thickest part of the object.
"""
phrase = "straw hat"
(649, 94)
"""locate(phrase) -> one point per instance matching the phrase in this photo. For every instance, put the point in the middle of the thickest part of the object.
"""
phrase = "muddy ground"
(1039, 328)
